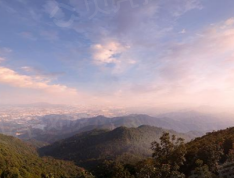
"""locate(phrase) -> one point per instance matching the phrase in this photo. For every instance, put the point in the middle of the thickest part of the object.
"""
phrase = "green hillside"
(20, 160)
(126, 145)
(214, 148)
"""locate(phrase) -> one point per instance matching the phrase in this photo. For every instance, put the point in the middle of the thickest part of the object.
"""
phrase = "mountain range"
(124, 141)
(192, 123)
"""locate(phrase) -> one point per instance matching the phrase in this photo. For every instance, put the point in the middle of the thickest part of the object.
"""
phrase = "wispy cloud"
(2, 59)
(195, 71)
(183, 31)
(12, 78)
(7, 7)
(41, 73)
(5, 50)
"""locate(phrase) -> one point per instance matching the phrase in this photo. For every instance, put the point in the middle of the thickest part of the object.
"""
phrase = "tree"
(11, 173)
(168, 156)
(146, 169)
(112, 169)
(47, 175)
(213, 154)
(230, 155)
(201, 171)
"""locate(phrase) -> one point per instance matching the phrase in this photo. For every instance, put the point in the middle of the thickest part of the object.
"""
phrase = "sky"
(123, 53)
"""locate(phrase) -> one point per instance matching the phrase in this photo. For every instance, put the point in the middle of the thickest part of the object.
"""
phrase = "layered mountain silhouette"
(192, 123)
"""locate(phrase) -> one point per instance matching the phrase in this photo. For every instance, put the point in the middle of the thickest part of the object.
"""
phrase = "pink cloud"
(12, 78)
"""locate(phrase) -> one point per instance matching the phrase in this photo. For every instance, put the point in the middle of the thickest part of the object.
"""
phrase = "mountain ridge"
(124, 144)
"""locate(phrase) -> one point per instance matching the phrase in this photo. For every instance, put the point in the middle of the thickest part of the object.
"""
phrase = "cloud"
(107, 53)
(154, 69)
(41, 73)
(28, 69)
(7, 7)
(57, 14)
(195, 70)
(110, 28)
(2, 59)
(182, 6)
(136, 54)
(110, 31)
(183, 31)
(19, 88)
(12, 78)
(125, 21)
(5, 50)
(112, 57)
(197, 57)
(229, 22)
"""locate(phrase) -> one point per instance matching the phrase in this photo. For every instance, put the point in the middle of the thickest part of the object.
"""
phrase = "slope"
(214, 148)
(88, 149)
(18, 159)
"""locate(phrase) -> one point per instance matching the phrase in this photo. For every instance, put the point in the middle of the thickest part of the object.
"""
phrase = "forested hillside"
(20, 160)
(127, 145)
(213, 148)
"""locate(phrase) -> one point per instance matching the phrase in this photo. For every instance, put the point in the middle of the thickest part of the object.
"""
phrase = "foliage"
(20, 160)
(111, 169)
(201, 171)
(168, 156)
(213, 149)
(146, 169)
